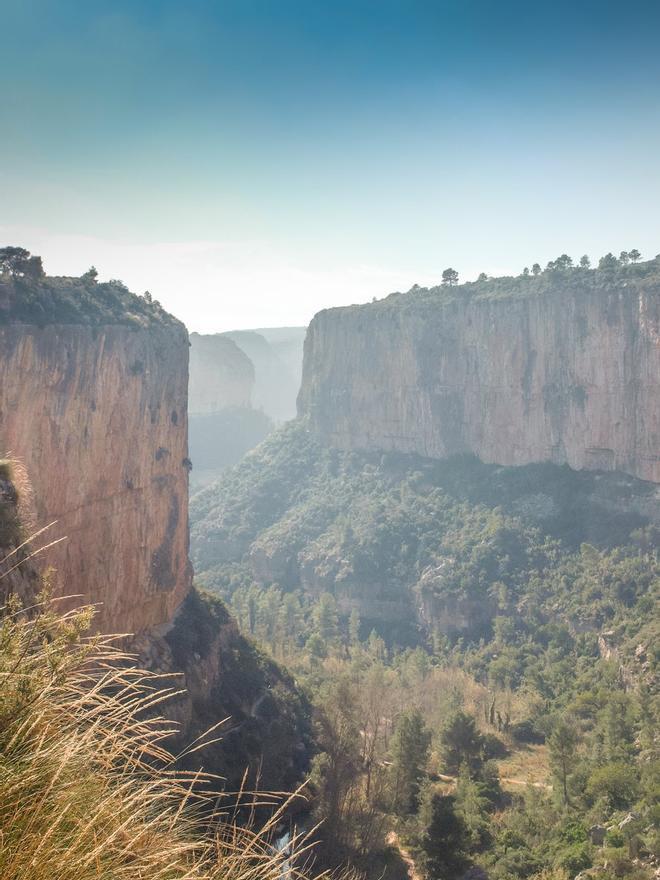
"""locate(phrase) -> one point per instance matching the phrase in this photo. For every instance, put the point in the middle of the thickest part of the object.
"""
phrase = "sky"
(252, 162)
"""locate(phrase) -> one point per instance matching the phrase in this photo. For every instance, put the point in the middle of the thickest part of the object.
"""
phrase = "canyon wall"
(567, 376)
(221, 375)
(98, 417)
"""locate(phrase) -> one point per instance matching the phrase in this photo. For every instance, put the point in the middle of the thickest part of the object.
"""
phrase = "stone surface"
(563, 378)
(98, 416)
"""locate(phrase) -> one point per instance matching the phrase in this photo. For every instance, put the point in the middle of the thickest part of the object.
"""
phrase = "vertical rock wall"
(564, 378)
(98, 416)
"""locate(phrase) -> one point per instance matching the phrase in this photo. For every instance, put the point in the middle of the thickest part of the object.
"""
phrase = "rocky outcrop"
(221, 375)
(98, 417)
(565, 376)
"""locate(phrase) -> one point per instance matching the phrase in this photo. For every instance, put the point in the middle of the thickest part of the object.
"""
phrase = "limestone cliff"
(93, 421)
(563, 369)
(95, 408)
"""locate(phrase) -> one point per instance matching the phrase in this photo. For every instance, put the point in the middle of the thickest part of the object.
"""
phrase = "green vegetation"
(267, 730)
(28, 296)
(507, 614)
(558, 277)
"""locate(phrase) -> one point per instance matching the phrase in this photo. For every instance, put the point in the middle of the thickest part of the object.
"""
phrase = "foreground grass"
(87, 786)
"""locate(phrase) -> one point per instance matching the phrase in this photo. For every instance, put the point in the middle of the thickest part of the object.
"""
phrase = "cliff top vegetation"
(29, 296)
(559, 276)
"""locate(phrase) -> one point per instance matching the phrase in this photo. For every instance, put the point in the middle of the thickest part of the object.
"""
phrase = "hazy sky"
(251, 162)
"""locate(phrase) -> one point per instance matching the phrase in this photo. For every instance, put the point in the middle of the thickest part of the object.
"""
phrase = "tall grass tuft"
(88, 789)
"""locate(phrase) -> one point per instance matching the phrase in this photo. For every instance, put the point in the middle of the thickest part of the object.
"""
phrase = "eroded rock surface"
(98, 417)
(566, 377)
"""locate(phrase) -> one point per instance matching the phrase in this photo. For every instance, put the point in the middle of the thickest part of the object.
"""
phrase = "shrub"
(617, 783)
(527, 732)
(574, 858)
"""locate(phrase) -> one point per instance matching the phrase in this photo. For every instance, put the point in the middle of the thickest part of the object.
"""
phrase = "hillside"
(490, 607)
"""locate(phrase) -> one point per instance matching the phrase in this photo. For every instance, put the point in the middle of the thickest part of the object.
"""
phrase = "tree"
(354, 628)
(563, 742)
(634, 255)
(482, 277)
(91, 275)
(461, 744)
(450, 277)
(525, 271)
(609, 261)
(617, 783)
(624, 258)
(536, 269)
(585, 262)
(325, 616)
(562, 262)
(445, 840)
(18, 262)
(410, 752)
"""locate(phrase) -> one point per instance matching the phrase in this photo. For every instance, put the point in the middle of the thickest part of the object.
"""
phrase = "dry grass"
(87, 786)
(526, 765)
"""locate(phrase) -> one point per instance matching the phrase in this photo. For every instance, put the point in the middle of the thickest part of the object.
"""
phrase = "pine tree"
(563, 744)
(445, 840)
(410, 751)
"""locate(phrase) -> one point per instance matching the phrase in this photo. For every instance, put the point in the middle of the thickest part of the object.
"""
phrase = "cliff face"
(221, 375)
(98, 416)
(565, 377)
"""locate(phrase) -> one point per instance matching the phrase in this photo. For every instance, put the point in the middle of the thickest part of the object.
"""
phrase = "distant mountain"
(276, 353)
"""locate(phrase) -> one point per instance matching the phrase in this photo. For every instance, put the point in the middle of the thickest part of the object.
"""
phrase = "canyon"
(94, 434)
(221, 375)
(513, 375)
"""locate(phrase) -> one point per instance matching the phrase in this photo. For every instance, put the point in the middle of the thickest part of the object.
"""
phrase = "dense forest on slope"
(478, 643)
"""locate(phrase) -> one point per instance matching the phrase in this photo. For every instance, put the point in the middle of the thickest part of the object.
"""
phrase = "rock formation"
(98, 418)
(569, 374)
(221, 375)
(93, 403)
(93, 423)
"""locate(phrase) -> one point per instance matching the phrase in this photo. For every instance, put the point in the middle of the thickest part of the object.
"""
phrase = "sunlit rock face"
(98, 416)
(565, 377)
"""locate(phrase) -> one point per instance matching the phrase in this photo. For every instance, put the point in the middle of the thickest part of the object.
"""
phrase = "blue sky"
(251, 162)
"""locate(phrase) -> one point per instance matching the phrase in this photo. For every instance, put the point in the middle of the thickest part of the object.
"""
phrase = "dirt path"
(394, 841)
(503, 779)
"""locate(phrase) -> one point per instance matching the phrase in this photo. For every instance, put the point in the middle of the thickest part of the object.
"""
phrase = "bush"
(527, 732)
(615, 838)
(617, 783)
(574, 858)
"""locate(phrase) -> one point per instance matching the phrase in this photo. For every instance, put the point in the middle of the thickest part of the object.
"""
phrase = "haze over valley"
(330, 533)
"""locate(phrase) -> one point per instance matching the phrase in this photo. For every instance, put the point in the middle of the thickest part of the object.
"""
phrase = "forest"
(477, 644)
